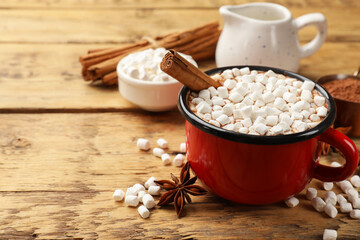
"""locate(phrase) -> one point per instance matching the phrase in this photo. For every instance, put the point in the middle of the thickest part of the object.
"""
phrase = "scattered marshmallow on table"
(137, 188)
(330, 210)
(131, 201)
(292, 202)
(311, 193)
(330, 197)
(345, 185)
(355, 180)
(158, 152)
(118, 195)
(183, 147)
(143, 144)
(355, 214)
(179, 160)
(154, 190)
(329, 234)
(352, 194)
(162, 143)
(341, 199)
(143, 211)
(166, 159)
(318, 204)
(140, 195)
(150, 182)
(356, 203)
(328, 185)
(345, 207)
(148, 201)
(131, 192)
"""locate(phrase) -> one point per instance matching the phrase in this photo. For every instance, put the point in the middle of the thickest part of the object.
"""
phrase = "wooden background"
(66, 145)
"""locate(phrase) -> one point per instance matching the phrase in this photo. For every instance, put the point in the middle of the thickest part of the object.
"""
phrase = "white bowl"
(151, 96)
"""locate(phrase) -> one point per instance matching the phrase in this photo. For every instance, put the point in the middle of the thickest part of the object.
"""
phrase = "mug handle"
(347, 148)
(319, 21)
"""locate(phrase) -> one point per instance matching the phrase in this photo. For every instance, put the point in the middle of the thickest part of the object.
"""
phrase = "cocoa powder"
(345, 89)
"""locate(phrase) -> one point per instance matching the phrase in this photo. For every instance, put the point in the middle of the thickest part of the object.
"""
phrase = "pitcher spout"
(227, 14)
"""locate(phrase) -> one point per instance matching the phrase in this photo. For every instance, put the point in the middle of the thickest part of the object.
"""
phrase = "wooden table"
(66, 145)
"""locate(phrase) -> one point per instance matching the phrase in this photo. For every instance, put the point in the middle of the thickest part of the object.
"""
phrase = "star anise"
(178, 191)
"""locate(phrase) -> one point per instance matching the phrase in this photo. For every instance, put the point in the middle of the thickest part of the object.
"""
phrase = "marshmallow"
(272, 120)
(345, 185)
(270, 73)
(330, 210)
(203, 108)
(321, 111)
(299, 126)
(150, 182)
(329, 234)
(306, 95)
(246, 122)
(277, 130)
(218, 101)
(244, 71)
(215, 123)
(141, 195)
(179, 160)
(352, 194)
(308, 85)
(118, 195)
(204, 94)
(235, 97)
(227, 74)
(318, 204)
(236, 72)
(261, 79)
(223, 92)
(237, 114)
(143, 211)
(256, 95)
(311, 193)
(356, 203)
(355, 214)
(183, 147)
(223, 119)
(341, 199)
(243, 130)
(228, 109)
(158, 152)
(328, 185)
(131, 201)
(162, 143)
(319, 101)
(279, 91)
(335, 164)
(314, 117)
(289, 97)
(166, 159)
(260, 128)
(280, 103)
(216, 114)
(154, 190)
(246, 112)
(330, 197)
(345, 207)
(143, 144)
(229, 84)
(268, 97)
(292, 202)
(148, 201)
(355, 180)
(197, 100)
(297, 84)
(130, 192)
(247, 100)
(137, 188)
(242, 90)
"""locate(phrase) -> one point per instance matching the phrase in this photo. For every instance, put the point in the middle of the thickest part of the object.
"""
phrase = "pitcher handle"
(319, 21)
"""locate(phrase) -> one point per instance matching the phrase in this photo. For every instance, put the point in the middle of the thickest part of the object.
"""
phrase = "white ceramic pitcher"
(265, 34)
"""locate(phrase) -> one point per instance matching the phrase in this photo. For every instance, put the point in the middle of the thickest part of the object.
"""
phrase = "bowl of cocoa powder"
(345, 89)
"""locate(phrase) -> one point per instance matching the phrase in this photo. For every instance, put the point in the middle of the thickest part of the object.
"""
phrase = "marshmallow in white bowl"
(142, 82)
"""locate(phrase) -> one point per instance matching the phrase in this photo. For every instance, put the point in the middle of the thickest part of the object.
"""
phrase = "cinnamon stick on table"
(182, 70)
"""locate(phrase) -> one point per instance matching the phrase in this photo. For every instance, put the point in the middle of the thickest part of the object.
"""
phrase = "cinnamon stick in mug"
(182, 70)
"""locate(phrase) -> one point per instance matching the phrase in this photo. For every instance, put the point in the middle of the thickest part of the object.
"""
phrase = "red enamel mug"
(254, 169)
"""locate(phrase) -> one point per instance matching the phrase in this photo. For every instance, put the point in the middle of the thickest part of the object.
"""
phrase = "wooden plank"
(105, 4)
(58, 172)
(109, 26)
(44, 77)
